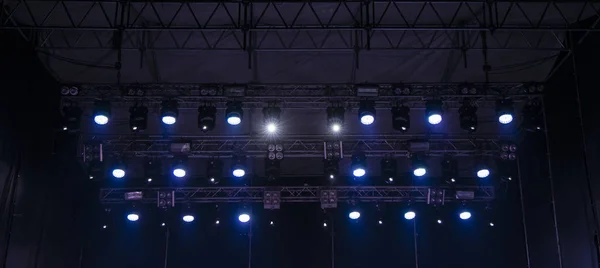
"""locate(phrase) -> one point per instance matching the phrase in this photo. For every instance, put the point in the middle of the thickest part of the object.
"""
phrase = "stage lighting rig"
(419, 167)
(71, 118)
(214, 170)
(179, 169)
(533, 117)
(436, 197)
(272, 200)
(331, 168)
(93, 152)
(482, 169)
(271, 116)
(238, 168)
(401, 118)
(366, 112)
(434, 111)
(169, 111)
(449, 169)
(504, 111)
(101, 112)
(329, 199)
(207, 117)
(468, 116)
(138, 118)
(333, 150)
(335, 118)
(388, 169)
(234, 113)
(359, 164)
(275, 151)
(272, 169)
(165, 199)
(119, 169)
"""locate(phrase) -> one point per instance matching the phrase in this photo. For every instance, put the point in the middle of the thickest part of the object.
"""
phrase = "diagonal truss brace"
(303, 194)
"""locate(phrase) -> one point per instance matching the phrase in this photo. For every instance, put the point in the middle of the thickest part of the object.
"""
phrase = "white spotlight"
(169, 120)
(465, 215)
(101, 119)
(354, 215)
(483, 173)
(118, 173)
(271, 128)
(133, 217)
(244, 218)
(336, 127)
(505, 119)
(234, 120)
(409, 215)
(359, 172)
(419, 172)
(239, 172)
(179, 172)
(188, 218)
(367, 119)
(434, 119)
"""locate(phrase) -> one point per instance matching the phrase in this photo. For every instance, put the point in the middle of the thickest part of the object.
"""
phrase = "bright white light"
(65, 128)
(367, 119)
(133, 217)
(359, 172)
(104, 227)
(188, 218)
(354, 215)
(491, 224)
(324, 224)
(234, 120)
(271, 128)
(483, 173)
(244, 218)
(101, 119)
(390, 179)
(505, 118)
(179, 172)
(212, 179)
(238, 173)
(134, 128)
(118, 173)
(149, 179)
(163, 224)
(439, 221)
(331, 176)
(419, 171)
(169, 120)
(380, 222)
(217, 222)
(465, 215)
(434, 119)
(336, 128)
(409, 215)
(271, 223)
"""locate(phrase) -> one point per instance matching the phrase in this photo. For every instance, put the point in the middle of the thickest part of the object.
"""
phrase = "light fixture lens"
(359, 172)
(419, 172)
(505, 119)
(336, 127)
(354, 215)
(234, 120)
(101, 119)
(439, 221)
(434, 119)
(244, 218)
(409, 215)
(271, 128)
(465, 215)
(169, 120)
(179, 172)
(238, 173)
(133, 217)
(188, 218)
(483, 173)
(367, 119)
(118, 173)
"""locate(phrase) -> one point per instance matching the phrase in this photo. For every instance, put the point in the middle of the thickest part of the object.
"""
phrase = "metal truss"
(303, 146)
(303, 194)
(302, 96)
(298, 25)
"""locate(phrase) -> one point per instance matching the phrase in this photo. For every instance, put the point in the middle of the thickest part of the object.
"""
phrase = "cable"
(415, 240)
(526, 236)
(11, 207)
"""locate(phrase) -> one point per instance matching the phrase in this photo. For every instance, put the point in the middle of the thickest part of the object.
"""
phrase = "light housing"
(138, 118)
(467, 115)
(272, 169)
(238, 168)
(410, 214)
(101, 112)
(482, 169)
(169, 111)
(434, 111)
(401, 118)
(179, 169)
(234, 113)
(335, 118)
(214, 170)
(464, 215)
(366, 112)
(119, 170)
(271, 116)
(418, 166)
(71, 118)
(207, 118)
(505, 111)
(354, 215)
(359, 165)
(388, 170)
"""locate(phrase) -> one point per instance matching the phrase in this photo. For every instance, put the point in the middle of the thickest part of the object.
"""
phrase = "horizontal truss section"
(302, 96)
(304, 194)
(298, 25)
(304, 146)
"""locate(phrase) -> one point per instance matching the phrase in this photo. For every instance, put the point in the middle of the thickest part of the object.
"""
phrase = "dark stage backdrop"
(57, 222)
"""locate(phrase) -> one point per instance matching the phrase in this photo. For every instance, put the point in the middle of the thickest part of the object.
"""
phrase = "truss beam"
(305, 194)
(298, 25)
(302, 146)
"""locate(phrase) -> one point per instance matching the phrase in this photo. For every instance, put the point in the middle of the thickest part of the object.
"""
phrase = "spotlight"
(138, 118)
(118, 173)
(331, 168)
(464, 215)
(401, 118)
(272, 169)
(409, 215)
(504, 111)
(335, 118)
(214, 171)
(179, 169)
(366, 112)
(271, 117)
(71, 118)
(533, 118)
(482, 169)
(354, 215)
(188, 218)
(439, 221)
(388, 169)
(101, 112)
(234, 113)
(449, 169)
(359, 164)
(418, 166)
(207, 118)
(169, 112)
(468, 116)
(434, 111)
(239, 167)
(244, 217)
(133, 217)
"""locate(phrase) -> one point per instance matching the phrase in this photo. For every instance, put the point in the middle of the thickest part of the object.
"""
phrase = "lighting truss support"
(303, 146)
(299, 95)
(303, 194)
(297, 25)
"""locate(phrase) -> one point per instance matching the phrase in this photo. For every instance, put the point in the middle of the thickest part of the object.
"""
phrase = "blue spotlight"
(354, 215)
(483, 173)
(118, 173)
(434, 111)
(244, 218)
(465, 215)
(188, 218)
(179, 172)
(133, 217)
(101, 112)
(409, 215)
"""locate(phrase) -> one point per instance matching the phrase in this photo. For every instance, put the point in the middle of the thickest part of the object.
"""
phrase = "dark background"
(57, 221)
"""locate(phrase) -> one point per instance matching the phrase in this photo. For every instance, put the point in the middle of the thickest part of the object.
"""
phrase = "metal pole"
(552, 191)
(250, 245)
(167, 247)
(415, 240)
(523, 213)
(332, 244)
